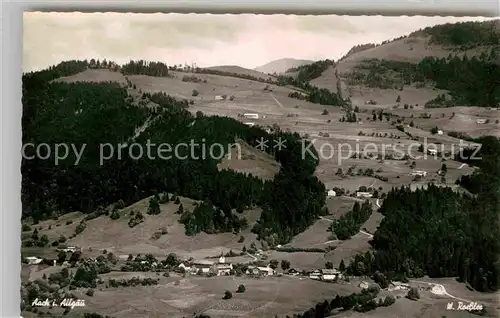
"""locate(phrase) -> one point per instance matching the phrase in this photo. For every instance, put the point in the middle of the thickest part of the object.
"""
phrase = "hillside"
(89, 113)
(240, 71)
(281, 66)
(313, 169)
(471, 41)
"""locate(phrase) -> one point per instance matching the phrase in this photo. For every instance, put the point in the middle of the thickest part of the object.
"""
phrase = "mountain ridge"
(281, 65)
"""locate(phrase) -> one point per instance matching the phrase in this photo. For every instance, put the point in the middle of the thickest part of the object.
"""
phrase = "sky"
(246, 40)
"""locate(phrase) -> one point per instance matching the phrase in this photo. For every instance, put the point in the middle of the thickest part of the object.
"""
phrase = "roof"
(264, 269)
(203, 262)
(329, 271)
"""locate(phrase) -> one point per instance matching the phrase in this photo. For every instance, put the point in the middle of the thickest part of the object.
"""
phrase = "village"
(203, 267)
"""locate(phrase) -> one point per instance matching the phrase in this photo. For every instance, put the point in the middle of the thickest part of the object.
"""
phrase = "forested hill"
(92, 114)
(442, 233)
(464, 35)
(461, 59)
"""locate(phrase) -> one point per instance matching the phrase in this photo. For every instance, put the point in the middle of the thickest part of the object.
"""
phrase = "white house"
(440, 132)
(316, 274)
(33, 260)
(218, 97)
(251, 116)
(331, 193)
(360, 194)
(432, 152)
(419, 173)
(481, 121)
(69, 249)
(250, 124)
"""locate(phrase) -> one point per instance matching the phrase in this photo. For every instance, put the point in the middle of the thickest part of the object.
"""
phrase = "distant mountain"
(281, 66)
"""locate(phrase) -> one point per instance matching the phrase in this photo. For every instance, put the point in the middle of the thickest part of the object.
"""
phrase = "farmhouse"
(293, 272)
(184, 267)
(330, 274)
(316, 274)
(432, 152)
(360, 194)
(204, 266)
(331, 193)
(33, 260)
(419, 173)
(251, 115)
(218, 97)
(260, 271)
(481, 121)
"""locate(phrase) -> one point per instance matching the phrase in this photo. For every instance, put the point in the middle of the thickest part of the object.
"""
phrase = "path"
(366, 233)
(439, 289)
(254, 258)
(378, 203)
(463, 165)
(277, 102)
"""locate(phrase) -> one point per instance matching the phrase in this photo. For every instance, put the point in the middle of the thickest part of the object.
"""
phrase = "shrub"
(241, 289)
(26, 227)
(195, 93)
(413, 294)
(227, 295)
(90, 292)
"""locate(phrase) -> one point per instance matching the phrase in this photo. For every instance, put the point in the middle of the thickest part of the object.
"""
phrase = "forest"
(471, 81)
(465, 35)
(463, 230)
(350, 223)
(92, 114)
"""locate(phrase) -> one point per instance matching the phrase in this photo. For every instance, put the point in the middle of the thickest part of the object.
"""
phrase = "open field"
(191, 295)
(249, 160)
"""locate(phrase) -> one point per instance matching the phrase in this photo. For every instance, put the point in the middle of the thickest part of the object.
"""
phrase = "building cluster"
(325, 274)
(206, 267)
(361, 194)
(419, 173)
